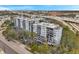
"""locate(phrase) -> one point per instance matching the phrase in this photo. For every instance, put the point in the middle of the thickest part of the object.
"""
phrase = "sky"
(39, 7)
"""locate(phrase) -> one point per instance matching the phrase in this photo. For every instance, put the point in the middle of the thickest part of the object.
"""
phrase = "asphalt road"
(16, 46)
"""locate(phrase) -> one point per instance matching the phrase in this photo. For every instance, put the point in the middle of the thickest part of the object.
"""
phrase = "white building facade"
(25, 23)
(49, 32)
(52, 33)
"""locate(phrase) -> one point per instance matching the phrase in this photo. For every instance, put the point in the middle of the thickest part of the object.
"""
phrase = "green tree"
(67, 41)
(7, 23)
(34, 47)
(43, 49)
(11, 34)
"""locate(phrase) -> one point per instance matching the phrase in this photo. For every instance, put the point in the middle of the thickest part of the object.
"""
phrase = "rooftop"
(26, 18)
(50, 25)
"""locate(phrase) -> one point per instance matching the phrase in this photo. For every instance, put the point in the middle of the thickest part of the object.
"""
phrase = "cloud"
(4, 8)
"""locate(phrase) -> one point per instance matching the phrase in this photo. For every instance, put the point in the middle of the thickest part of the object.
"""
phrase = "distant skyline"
(40, 7)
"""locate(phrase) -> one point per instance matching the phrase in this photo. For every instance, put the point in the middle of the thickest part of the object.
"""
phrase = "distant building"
(76, 17)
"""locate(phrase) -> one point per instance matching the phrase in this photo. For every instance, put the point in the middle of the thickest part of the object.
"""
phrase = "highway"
(15, 46)
(54, 17)
(75, 26)
(59, 19)
(72, 22)
(63, 19)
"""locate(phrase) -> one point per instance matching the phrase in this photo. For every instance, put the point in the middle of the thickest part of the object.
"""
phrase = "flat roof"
(50, 25)
(26, 18)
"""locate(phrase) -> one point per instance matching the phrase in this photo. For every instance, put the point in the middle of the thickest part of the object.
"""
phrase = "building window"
(19, 24)
(38, 30)
(49, 34)
(24, 24)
